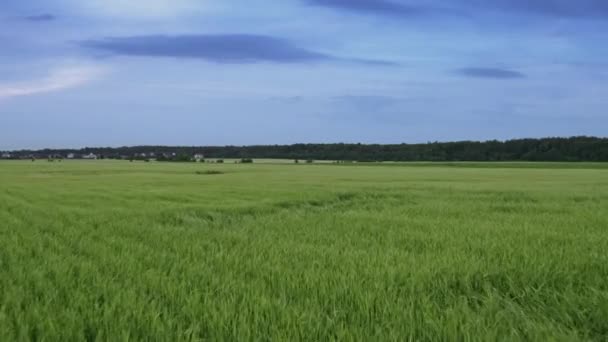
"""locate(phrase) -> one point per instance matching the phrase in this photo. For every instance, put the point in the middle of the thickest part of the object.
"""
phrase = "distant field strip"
(110, 250)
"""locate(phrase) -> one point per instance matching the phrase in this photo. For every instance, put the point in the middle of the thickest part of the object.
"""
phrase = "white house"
(70, 156)
(199, 157)
(89, 156)
(6, 155)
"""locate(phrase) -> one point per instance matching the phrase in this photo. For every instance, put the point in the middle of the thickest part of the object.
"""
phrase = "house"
(89, 156)
(70, 156)
(199, 157)
(6, 155)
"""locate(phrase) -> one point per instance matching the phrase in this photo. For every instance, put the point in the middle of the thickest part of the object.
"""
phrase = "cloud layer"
(403, 8)
(381, 7)
(220, 48)
(230, 48)
(41, 17)
(495, 73)
(562, 8)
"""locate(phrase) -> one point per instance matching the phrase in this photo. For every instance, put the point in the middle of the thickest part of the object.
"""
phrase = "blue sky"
(77, 73)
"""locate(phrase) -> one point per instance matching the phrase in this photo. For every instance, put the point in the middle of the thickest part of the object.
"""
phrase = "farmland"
(112, 250)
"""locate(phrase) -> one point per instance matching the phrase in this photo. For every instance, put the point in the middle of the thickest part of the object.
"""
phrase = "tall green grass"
(181, 252)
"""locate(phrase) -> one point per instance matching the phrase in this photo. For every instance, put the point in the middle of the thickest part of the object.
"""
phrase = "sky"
(76, 73)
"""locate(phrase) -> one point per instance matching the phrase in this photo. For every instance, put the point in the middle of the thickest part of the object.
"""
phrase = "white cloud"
(57, 80)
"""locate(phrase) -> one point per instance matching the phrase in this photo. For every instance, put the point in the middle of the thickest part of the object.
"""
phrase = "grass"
(155, 251)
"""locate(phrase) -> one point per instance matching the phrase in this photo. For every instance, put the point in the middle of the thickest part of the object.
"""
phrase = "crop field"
(117, 251)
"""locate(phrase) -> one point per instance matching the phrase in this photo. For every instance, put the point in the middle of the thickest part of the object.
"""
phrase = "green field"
(167, 252)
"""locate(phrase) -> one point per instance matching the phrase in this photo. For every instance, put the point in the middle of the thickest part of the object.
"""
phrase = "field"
(225, 252)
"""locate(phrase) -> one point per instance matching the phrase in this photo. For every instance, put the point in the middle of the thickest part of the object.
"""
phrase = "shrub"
(209, 172)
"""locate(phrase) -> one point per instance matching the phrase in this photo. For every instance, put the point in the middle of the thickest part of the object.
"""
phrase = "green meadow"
(119, 251)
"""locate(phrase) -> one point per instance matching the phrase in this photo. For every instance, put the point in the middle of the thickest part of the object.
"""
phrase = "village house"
(199, 157)
(89, 156)
(6, 155)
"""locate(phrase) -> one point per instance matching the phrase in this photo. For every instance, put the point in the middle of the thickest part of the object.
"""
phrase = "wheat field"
(119, 251)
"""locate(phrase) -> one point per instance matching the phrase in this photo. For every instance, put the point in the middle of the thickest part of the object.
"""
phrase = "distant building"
(89, 156)
(70, 156)
(6, 155)
(199, 157)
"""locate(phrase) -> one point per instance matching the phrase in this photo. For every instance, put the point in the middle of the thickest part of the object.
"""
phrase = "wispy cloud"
(231, 48)
(495, 73)
(40, 17)
(380, 7)
(57, 80)
(221, 48)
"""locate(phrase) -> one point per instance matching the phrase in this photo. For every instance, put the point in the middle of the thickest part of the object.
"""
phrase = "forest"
(545, 149)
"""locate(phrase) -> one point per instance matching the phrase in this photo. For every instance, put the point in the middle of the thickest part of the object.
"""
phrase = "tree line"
(545, 149)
